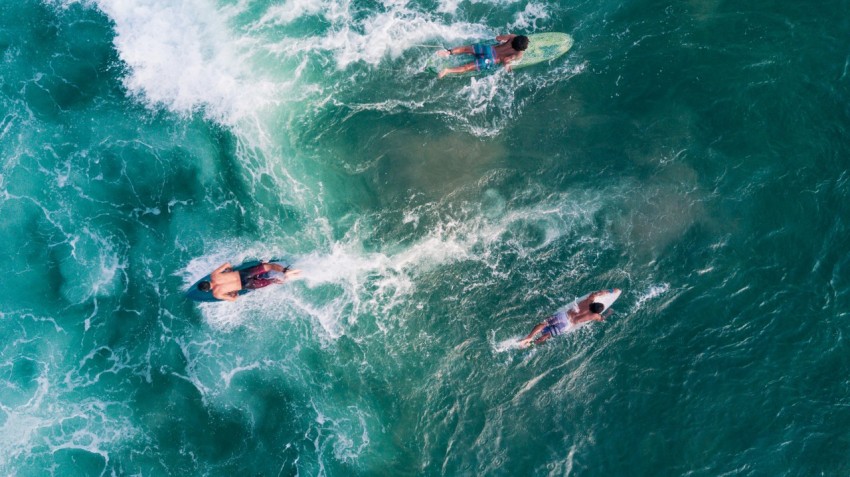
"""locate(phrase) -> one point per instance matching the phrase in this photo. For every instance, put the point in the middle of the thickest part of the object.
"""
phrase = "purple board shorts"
(557, 323)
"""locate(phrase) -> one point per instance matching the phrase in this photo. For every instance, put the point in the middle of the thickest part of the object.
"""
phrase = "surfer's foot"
(444, 52)
(290, 274)
(441, 74)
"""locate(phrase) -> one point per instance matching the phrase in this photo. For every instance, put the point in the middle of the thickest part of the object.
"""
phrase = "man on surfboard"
(225, 282)
(586, 310)
(508, 50)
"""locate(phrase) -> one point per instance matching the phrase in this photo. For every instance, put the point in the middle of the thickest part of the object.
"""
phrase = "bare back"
(581, 313)
(225, 283)
(505, 52)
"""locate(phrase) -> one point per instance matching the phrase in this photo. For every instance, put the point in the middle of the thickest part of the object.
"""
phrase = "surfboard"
(196, 294)
(541, 47)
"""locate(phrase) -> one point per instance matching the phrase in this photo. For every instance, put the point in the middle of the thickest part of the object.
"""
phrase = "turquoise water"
(692, 153)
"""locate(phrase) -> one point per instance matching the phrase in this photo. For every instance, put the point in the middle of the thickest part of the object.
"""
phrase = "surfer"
(508, 50)
(586, 310)
(225, 283)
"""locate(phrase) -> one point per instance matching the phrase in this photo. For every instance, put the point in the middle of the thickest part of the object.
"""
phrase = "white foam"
(354, 38)
(390, 34)
(509, 344)
(390, 276)
(196, 369)
(184, 56)
(485, 105)
(290, 10)
(450, 6)
(346, 435)
(92, 268)
(48, 421)
(22, 425)
(227, 377)
(80, 377)
(530, 384)
(653, 292)
(488, 92)
(527, 19)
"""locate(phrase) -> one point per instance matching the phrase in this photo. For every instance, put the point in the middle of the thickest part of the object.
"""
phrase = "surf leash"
(432, 46)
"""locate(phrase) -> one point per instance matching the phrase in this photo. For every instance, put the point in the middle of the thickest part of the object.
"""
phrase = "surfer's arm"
(224, 296)
(507, 61)
(220, 269)
(591, 298)
(505, 38)
(598, 316)
(584, 318)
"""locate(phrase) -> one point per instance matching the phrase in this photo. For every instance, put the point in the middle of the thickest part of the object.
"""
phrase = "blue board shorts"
(557, 323)
(485, 56)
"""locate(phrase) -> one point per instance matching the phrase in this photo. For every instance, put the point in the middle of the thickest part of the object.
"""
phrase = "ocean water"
(693, 153)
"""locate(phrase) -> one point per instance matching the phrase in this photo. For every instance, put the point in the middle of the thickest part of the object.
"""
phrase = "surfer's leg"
(542, 339)
(252, 272)
(458, 69)
(534, 331)
(259, 282)
(458, 50)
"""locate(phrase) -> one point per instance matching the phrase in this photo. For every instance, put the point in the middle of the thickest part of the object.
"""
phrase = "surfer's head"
(597, 307)
(519, 43)
(204, 286)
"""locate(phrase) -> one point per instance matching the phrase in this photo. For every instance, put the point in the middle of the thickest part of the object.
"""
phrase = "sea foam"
(185, 57)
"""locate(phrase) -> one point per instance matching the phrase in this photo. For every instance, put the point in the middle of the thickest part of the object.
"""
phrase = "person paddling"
(508, 50)
(586, 310)
(225, 283)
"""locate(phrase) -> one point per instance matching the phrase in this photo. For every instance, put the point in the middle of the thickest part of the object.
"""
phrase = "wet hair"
(519, 43)
(597, 307)
(204, 286)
